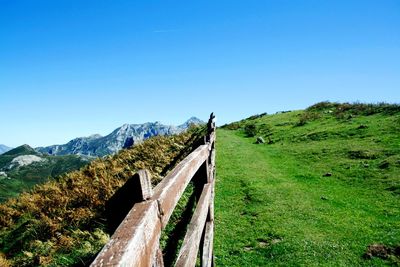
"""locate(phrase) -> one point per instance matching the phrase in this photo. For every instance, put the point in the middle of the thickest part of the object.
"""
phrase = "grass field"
(319, 194)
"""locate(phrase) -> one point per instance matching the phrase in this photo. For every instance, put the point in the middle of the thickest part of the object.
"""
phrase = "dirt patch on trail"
(383, 252)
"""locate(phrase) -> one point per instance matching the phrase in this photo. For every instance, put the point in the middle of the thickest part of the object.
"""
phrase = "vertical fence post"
(144, 224)
(207, 252)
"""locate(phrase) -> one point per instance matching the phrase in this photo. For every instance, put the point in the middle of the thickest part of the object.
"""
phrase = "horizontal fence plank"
(136, 240)
(207, 257)
(190, 246)
(170, 189)
(211, 212)
(212, 180)
(213, 158)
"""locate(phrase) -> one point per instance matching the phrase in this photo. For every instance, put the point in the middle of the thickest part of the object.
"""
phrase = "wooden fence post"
(142, 221)
(207, 256)
(145, 188)
(136, 189)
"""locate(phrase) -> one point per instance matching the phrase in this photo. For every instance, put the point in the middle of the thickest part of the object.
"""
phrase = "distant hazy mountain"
(124, 136)
(23, 167)
(4, 148)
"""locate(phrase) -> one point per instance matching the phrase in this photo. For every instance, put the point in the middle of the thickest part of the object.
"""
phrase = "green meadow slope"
(323, 187)
(17, 179)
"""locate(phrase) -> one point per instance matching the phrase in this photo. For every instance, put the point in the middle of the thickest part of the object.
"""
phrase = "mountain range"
(23, 167)
(122, 137)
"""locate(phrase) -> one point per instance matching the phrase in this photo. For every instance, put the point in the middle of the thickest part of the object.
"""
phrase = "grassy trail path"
(269, 214)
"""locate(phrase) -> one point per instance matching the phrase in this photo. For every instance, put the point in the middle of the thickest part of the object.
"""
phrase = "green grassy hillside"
(21, 150)
(17, 179)
(323, 187)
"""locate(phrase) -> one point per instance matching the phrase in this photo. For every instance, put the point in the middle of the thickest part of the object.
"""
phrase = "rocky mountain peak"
(95, 136)
(122, 137)
(192, 120)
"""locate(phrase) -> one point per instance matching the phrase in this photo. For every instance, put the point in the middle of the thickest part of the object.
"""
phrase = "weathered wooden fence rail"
(136, 242)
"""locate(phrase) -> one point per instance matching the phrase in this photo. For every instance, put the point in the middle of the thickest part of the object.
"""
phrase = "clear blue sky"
(72, 68)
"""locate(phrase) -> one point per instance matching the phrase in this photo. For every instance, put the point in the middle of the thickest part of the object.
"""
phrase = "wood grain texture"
(170, 189)
(207, 257)
(136, 240)
(145, 184)
(190, 246)
(158, 261)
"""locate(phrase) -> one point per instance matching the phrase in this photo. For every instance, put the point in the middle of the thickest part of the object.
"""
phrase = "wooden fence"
(136, 242)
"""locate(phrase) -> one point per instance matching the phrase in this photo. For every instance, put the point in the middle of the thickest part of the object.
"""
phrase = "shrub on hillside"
(321, 106)
(256, 116)
(250, 130)
(242, 123)
(367, 109)
(265, 129)
(261, 130)
(307, 116)
(346, 110)
(232, 126)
